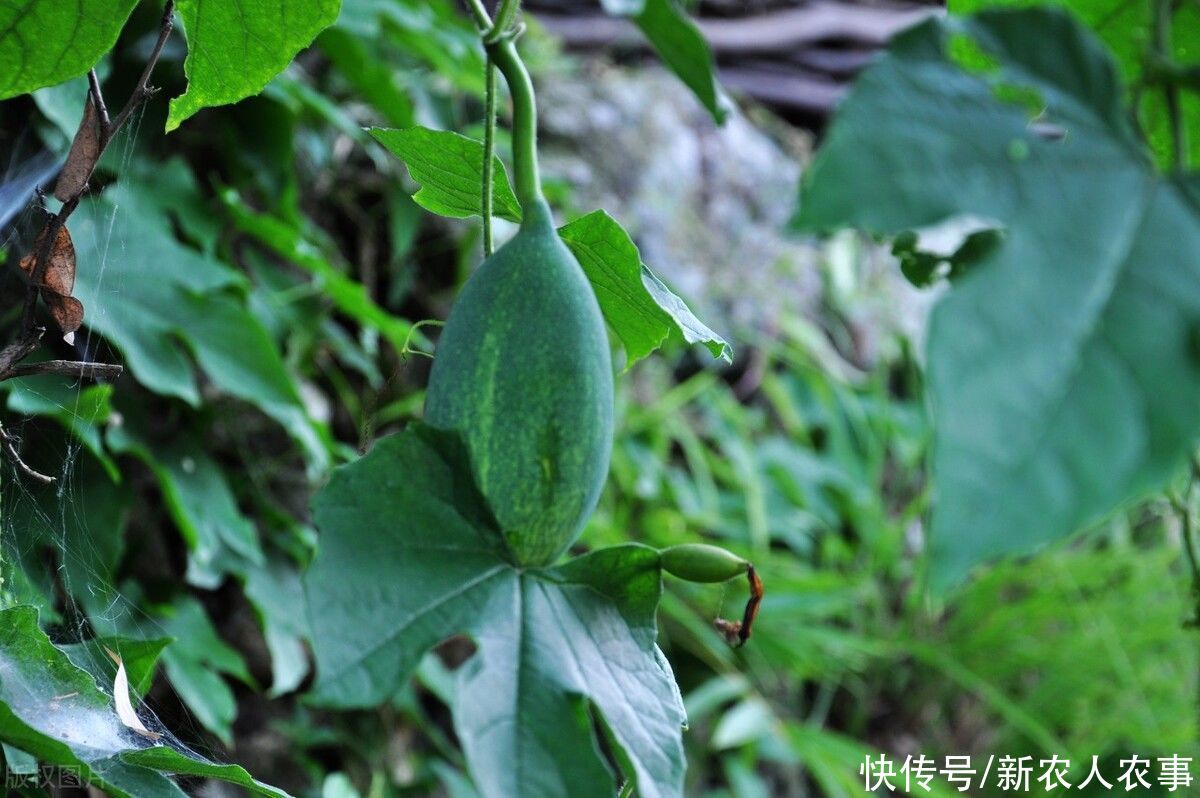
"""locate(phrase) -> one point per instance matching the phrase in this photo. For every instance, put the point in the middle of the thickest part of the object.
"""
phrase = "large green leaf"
(1127, 27)
(54, 710)
(159, 301)
(199, 500)
(428, 563)
(636, 303)
(43, 43)
(1062, 367)
(347, 295)
(235, 47)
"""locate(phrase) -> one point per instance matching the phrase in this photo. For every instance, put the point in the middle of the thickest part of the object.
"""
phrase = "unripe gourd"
(522, 370)
(523, 374)
(701, 562)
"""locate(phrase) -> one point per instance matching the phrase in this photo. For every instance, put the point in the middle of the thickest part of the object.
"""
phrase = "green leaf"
(159, 301)
(235, 48)
(54, 711)
(1128, 29)
(347, 295)
(448, 167)
(139, 656)
(45, 43)
(200, 502)
(636, 303)
(372, 77)
(683, 49)
(1062, 366)
(641, 309)
(275, 591)
(555, 645)
(81, 412)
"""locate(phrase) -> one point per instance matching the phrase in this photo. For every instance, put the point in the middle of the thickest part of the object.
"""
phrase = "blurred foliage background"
(258, 270)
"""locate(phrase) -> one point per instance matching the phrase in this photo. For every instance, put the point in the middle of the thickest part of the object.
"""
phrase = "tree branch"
(70, 368)
(30, 334)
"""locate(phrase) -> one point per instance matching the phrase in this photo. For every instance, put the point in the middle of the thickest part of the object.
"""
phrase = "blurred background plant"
(258, 271)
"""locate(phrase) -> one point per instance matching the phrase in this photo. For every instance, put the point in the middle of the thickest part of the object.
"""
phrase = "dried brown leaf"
(66, 310)
(59, 276)
(58, 280)
(81, 160)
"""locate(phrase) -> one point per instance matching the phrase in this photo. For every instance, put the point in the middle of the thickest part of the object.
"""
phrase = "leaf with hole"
(558, 648)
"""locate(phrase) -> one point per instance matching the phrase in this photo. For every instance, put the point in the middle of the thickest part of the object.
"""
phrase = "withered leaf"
(67, 311)
(58, 280)
(81, 160)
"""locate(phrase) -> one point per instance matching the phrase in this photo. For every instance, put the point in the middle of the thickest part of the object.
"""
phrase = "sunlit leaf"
(235, 48)
(44, 43)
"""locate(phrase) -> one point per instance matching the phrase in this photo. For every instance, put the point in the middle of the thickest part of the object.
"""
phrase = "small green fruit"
(700, 562)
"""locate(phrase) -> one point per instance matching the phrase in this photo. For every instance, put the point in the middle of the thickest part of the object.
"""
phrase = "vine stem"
(1183, 505)
(527, 183)
(1163, 12)
(501, 48)
(489, 153)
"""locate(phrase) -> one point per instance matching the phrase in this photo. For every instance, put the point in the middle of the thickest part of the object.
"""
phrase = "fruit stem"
(524, 126)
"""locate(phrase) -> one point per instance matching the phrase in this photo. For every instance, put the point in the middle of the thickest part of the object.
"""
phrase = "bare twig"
(30, 334)
(69, 368)
(144, 90)
(14, 352)
(10, 448)
(98, 98)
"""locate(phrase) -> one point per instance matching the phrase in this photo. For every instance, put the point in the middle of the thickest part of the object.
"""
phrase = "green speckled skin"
(523, 372)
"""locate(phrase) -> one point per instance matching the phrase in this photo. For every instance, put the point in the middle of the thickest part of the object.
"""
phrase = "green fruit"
(523, 373)
(700, 562)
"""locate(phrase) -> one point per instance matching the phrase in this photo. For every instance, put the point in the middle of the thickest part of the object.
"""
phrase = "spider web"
(93, 607)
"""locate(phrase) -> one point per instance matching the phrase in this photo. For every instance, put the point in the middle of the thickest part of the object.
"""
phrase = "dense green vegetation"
(316, 577)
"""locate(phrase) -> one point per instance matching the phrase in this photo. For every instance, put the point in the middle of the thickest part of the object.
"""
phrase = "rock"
(708, 205)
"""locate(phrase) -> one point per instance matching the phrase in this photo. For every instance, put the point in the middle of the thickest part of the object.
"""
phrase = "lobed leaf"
(429, 563)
